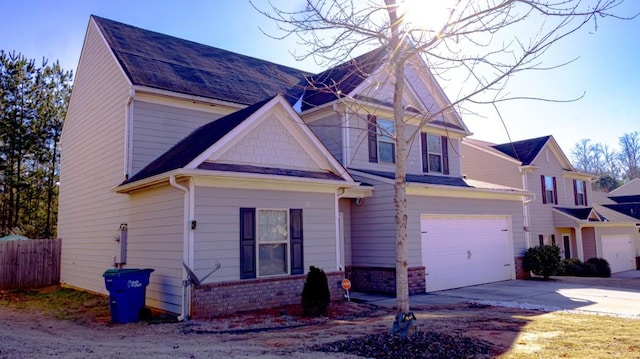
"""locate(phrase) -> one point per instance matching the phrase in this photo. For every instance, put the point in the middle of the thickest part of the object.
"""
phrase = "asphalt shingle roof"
(337, 81)
(524, 151)
(424, 179)
(165, 62)
(629, 209)
(626, 199)
(579, 213)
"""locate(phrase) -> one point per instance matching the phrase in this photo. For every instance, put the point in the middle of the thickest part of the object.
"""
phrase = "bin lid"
(120, 272)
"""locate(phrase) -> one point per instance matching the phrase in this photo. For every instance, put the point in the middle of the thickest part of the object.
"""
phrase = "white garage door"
(463, 251)
(617, 250)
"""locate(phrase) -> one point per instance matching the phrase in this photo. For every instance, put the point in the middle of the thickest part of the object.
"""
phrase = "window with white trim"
(580, 193)
(273, 240)
(549, 192)
(386, 142)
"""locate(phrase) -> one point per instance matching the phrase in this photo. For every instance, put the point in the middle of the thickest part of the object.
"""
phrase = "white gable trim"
(307, 139)
(92, 22)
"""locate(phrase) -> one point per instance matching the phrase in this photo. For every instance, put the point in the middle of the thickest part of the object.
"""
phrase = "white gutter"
(186, 295)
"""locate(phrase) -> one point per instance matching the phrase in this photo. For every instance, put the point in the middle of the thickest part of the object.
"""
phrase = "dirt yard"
(37, 325)
(29, 333)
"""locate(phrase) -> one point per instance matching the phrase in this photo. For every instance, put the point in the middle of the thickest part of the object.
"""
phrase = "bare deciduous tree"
(479, 45)
(630, 154)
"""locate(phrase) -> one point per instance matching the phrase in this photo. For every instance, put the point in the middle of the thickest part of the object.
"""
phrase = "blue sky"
(607, 70)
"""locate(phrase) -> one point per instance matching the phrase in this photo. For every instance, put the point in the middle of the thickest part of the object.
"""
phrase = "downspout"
(186, 295)
(525, 210)
(128, 129)
(339, 194)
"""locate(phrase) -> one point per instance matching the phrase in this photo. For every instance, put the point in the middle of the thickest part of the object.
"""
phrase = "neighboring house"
(179, 153)
(562, 211)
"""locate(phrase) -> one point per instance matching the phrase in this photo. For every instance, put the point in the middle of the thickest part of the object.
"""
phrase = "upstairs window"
(435, 153)
(382, 145)
(549, 189)
(580, 192)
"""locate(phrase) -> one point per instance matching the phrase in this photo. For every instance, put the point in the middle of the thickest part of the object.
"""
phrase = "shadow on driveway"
(618, 295)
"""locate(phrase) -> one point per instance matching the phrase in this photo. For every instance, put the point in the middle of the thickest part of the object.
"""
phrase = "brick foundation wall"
(214, 299)
(520, 272)
(383, 280)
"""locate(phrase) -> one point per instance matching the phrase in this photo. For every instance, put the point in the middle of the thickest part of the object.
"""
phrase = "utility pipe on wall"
(186, 297)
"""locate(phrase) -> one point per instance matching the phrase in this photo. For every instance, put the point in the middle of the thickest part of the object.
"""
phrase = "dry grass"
(512, 332)
(565, 335)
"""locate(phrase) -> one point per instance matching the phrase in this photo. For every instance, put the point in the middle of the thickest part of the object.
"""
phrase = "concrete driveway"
(618, 295)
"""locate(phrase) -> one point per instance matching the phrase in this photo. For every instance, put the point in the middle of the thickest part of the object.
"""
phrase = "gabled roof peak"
(525, 150)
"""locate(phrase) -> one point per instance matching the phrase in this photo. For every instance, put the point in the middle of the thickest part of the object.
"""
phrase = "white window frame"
(287, 242)
(548, 190)
(385, 136)
(439, 153)
(580, 196)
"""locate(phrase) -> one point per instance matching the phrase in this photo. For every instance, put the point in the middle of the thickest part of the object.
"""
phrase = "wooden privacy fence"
(29, 264)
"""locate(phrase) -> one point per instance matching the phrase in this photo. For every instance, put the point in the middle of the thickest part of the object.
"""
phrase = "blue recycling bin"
(127, 292)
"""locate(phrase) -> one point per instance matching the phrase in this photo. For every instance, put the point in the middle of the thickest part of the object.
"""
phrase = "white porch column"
(578, 231)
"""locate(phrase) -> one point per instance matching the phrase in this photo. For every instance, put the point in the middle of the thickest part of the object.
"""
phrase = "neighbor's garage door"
(463, 251)
(617, 250)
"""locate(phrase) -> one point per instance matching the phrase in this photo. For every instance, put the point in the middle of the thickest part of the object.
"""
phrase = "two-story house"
(561, 211)
(178, 155)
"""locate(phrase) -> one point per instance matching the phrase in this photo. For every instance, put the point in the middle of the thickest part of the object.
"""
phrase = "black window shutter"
(575, 192)
(584, 187)
(445, 155)
(372, 130)
(297, 253)
(247, 243)
(544, 189)
(555, 191)
(541, 239)
(425, 153)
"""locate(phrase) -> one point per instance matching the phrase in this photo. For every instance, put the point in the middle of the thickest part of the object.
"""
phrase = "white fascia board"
(464, 192)
(578, 175)
(146, 182)
(265, 181)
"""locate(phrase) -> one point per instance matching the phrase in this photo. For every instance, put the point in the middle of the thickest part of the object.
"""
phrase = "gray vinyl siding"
(217, 236)
(373, 223)
(482, 166)
(589, 243)
(345, 208)
(155, 240)
(359, 150)
(373, 228)
(156, 128)
(329, 132)
(92, 164)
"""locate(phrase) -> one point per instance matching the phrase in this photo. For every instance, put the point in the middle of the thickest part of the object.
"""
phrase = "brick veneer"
(383, 280)
(520, 272)
(229, 297)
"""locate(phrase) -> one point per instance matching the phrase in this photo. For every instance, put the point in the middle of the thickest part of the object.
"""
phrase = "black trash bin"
(127, 292)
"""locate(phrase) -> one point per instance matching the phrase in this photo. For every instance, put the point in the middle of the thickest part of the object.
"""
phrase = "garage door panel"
(459, 252)
(617, 250)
